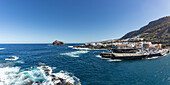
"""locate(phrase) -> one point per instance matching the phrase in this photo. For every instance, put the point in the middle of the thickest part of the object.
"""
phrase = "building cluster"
(127, 45)
(135, 42)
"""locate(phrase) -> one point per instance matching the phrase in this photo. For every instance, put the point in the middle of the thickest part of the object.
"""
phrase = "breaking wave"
(36, 76)
(12, 58)
(75, 53)
(2, 48)
(101, 57)
(70, 46)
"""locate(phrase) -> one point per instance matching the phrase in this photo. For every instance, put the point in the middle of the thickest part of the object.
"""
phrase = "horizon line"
(29, 43)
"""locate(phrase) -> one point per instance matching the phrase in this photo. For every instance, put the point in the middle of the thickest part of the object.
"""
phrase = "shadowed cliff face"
(159, 31)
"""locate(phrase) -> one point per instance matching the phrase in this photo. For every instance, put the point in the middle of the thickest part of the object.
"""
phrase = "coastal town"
(130, 48)
(135, 42)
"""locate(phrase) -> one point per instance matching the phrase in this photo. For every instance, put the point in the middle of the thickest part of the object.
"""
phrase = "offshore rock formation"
(58, 43)
(158, 31)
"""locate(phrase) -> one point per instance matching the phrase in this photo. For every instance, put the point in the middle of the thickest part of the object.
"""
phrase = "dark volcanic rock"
(58, 43)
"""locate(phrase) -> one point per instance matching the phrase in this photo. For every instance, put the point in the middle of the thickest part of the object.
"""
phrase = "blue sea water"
(83, 64)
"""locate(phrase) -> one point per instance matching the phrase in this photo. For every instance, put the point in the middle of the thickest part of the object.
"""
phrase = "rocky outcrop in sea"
(58, 43)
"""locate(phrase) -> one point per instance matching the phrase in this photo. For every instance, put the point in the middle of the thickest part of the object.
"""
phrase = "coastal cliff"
(158, 31)
(58, 43)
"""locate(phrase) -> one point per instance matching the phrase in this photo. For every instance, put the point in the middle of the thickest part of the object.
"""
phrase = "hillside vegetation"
(158, 31)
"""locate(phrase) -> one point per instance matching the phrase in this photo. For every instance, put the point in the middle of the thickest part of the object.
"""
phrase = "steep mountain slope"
(158, 31)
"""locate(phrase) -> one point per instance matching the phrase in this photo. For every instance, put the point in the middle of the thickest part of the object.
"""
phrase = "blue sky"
(75, 21)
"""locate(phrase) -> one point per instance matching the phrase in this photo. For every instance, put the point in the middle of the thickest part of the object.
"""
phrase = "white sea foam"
(98, 56)
(101, 57)
(13, 58)
(82, 48)
(8, 75)
(115, 60)
(2, 48)
(87, 49)
(75, 53)
(20, 62)
(66, 75)
(14, 76)
(70, 46)
(152, 58)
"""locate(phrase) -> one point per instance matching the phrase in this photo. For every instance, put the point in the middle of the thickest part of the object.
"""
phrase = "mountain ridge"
(158, 31)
